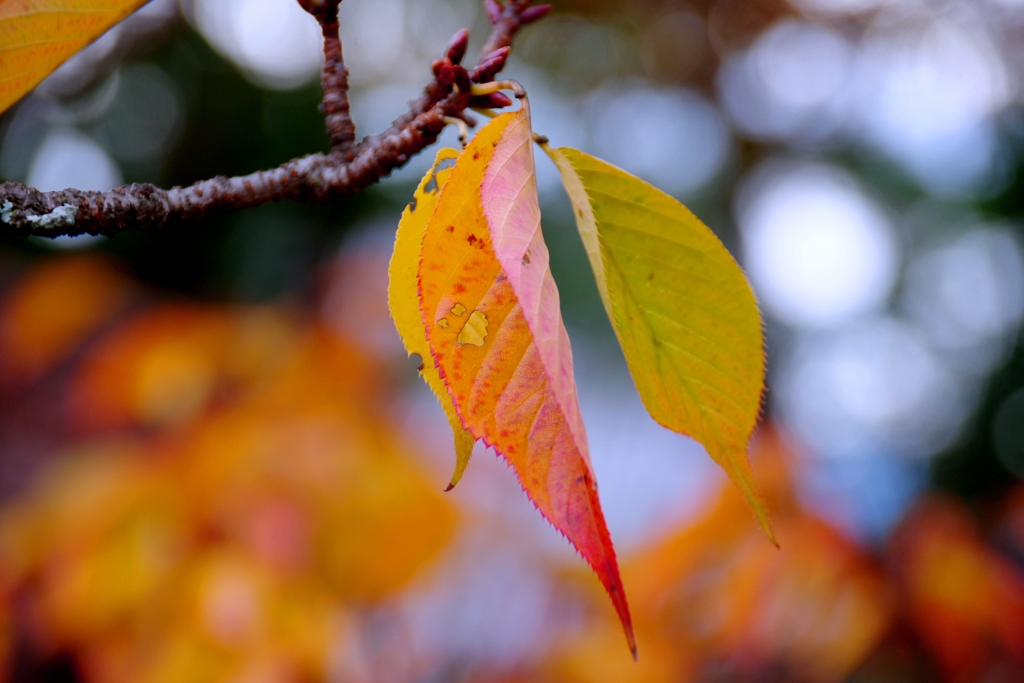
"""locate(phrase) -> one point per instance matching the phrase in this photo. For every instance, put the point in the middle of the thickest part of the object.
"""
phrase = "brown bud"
(496, 100)
(325, 11)
(491, 65)
(532, 14)
(460, 77)
(457, 46)
(494, 10)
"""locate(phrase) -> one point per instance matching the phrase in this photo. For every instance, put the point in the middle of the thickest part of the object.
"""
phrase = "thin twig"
(334, 77)
(314, 178)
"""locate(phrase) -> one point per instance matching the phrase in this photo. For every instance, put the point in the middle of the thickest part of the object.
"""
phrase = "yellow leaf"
(37, 36)
(683, 311)
(404, 299)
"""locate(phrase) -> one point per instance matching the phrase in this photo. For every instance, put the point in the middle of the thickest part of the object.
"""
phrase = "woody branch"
(349, 168)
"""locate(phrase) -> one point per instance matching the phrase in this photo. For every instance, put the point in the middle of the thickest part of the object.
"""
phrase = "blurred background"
(216, 463)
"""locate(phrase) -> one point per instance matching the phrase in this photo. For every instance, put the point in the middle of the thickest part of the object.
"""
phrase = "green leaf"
(681, 307)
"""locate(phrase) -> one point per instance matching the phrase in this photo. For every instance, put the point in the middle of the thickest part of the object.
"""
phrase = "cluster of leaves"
(472, 293)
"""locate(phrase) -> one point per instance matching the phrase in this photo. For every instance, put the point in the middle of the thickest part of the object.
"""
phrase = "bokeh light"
(874, 388)
(145, 116)
(818, 249)
(926, 94)
(793, 83)
(675, 139)
(969, 292)
(276, 43)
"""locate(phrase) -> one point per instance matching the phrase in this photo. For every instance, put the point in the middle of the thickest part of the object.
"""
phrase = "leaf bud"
(491, 64)
(494, 10)
(532, 14)
(457, 46)
(460, 77)
(496, 100)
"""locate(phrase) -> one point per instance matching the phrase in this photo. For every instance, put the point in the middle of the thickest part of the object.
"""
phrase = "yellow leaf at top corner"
(37, 36)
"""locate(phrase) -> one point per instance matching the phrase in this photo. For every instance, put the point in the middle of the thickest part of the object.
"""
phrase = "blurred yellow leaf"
(681, 307)
(37, 36)
(404, 300)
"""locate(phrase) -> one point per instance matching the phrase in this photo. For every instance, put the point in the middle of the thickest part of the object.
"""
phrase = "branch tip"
(494, 10)
(532, 14)
(495, 100)
(457, 46)
(491, 65)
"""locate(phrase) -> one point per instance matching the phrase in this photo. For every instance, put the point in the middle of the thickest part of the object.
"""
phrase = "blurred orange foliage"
(52, 310)
(963, 599)
(231, 500)
(715, 595)
(238, 495)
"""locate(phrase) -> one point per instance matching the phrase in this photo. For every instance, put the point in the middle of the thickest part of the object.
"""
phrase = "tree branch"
(349, 169)
(334, 77)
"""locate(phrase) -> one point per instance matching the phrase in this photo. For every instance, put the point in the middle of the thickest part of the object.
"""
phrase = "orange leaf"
(491, 312)
(52, 310)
